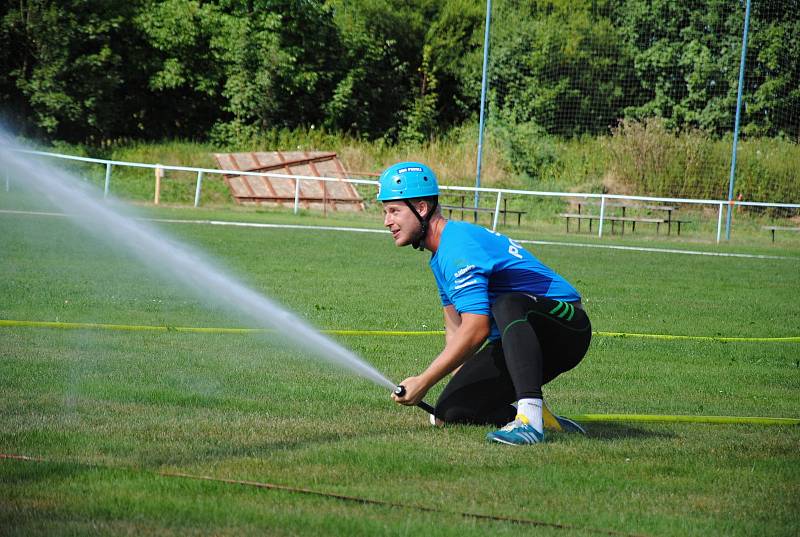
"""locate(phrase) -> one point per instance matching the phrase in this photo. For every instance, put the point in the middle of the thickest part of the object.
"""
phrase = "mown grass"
(110, 411)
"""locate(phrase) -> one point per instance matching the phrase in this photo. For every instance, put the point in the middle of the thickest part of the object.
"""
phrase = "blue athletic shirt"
(474, 265)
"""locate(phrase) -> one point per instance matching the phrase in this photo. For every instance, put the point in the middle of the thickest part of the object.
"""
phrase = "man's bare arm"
(452, 320)
(470, 334)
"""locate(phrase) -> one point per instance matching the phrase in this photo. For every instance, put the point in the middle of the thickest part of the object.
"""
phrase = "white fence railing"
(498, 192)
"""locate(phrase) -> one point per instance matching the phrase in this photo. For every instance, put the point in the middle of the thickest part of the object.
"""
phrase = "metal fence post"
(732, 179)
(108, 179)
(602, 213)
(198, 188)
(484, 87)
(719, 223)
(496, 211)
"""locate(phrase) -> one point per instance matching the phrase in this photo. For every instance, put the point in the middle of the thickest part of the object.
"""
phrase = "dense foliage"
(103, 70)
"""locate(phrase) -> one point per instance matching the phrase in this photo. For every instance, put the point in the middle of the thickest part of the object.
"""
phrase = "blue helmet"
(407, 180)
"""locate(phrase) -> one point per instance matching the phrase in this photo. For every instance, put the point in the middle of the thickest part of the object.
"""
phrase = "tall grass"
(638, 157)
(648, 159)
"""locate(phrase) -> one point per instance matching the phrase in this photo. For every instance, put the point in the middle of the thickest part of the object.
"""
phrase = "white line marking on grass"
(368, 230)
(33, 213)
(277, 226)
(216, 222)
(659, 250)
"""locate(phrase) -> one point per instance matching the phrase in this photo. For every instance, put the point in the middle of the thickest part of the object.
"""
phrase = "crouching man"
(512, 324)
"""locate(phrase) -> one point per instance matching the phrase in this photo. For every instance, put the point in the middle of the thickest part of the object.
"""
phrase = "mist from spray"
(165, 255)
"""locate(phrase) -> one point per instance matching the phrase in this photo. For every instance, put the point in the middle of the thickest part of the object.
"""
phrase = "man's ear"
(423, 208)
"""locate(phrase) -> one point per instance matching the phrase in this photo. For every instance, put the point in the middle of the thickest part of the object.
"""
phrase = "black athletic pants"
(540, 339)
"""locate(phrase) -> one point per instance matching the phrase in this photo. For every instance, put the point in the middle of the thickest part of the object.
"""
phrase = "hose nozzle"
(400, 391)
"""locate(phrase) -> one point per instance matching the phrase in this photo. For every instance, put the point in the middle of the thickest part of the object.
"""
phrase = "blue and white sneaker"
(517, 433)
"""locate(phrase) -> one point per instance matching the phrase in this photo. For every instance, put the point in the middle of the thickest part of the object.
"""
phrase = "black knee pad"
(456, 414)
(468, 416)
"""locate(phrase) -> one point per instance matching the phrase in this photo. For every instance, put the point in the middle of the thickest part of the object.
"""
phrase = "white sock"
(532, 409)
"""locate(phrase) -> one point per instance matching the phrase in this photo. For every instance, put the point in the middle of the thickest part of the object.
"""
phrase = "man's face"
(399, 219)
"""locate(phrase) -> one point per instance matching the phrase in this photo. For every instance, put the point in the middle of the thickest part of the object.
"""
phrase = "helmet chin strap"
(417, 242)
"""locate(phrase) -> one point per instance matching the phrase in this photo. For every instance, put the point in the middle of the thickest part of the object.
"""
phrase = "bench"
(773, 229)
(679, 222)
(614, 219)
(475, 210)
(668, 210)
(668, 219)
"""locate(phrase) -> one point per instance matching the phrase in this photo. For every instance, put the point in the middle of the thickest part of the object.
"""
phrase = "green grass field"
(110, 412)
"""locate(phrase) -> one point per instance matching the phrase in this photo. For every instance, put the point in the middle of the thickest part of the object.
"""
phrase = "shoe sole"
(506, 442)
(569, 426)
(498, 441)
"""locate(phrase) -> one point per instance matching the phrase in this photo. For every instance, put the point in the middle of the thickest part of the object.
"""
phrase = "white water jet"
(161, 254)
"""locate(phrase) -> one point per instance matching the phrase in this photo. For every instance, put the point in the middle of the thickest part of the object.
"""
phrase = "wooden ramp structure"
(281, 192)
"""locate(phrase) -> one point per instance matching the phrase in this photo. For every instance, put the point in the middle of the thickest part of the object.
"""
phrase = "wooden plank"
(291, 161)
(280, 191)
(244, 182)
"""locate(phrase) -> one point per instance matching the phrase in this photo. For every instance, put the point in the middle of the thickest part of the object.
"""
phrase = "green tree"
(245, 65)
(454, 42)
(100, 70)
(421, 117)
(684, 57)
(186, 76)
(383, 42)
(687, 61)
(772, 98)
(247, 46)
(559, 65)
(309, 65)
(67, 60)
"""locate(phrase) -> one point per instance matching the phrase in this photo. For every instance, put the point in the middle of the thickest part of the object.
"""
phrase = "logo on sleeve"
(460, 272)
(465, 284)
(464, 277)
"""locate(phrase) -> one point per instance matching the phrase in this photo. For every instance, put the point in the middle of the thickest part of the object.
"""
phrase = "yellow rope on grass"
(222, 330)
(788, 339)
(666, 418)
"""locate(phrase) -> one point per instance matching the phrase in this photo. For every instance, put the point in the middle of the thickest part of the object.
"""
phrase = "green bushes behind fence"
(646, 158)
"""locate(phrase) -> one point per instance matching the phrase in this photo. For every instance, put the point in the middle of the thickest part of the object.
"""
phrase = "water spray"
(105, 220)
